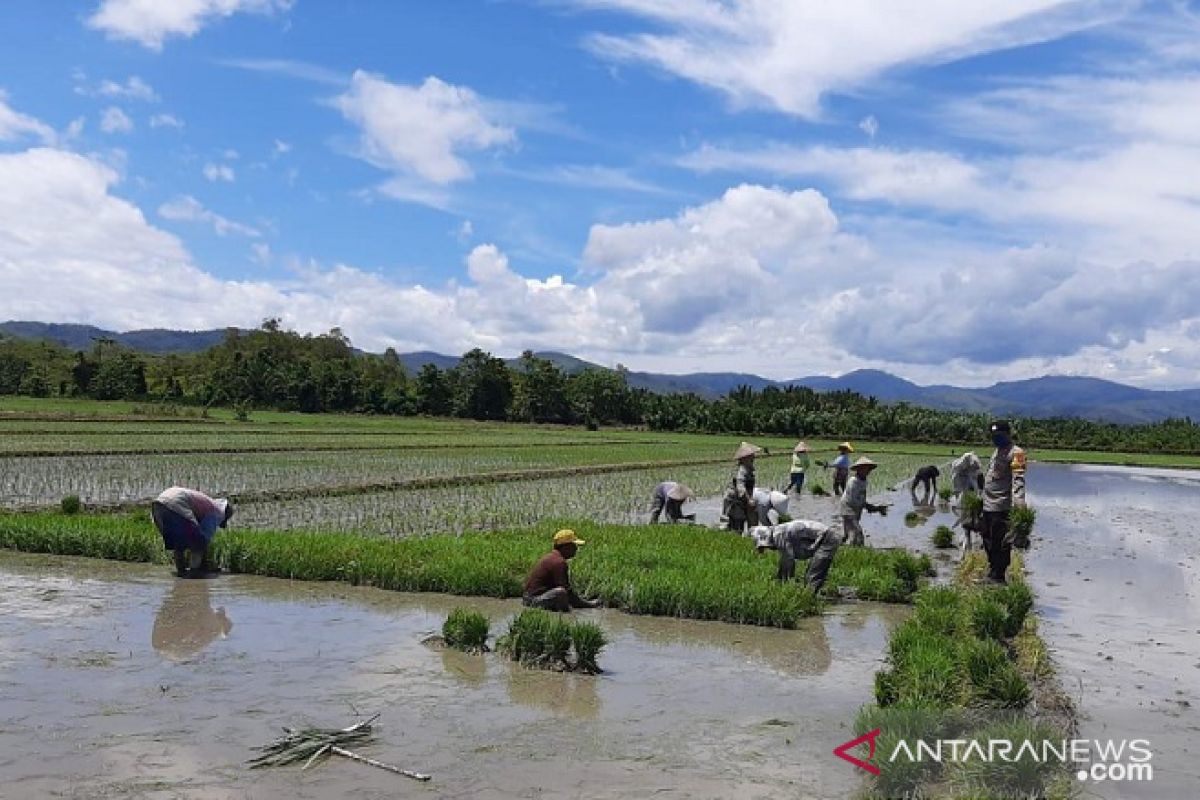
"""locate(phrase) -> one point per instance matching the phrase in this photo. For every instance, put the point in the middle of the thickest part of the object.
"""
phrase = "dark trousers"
(796, 479)
(997, 542)
(839, 481)
(672, 508)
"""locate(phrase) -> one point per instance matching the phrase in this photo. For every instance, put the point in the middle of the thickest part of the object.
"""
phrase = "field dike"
(968, 666)
(673, 571)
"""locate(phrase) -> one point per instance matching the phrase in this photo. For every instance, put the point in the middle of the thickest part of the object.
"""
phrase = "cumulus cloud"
(134, 88)
(420, 130)
(166, 121)
(14, 125)
(785, 56)
(151, 22)
(186, 208)
(114, 120)
(218, 172)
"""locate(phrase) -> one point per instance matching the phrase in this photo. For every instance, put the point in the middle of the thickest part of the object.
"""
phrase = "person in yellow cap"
(854, 500)
(549, 583)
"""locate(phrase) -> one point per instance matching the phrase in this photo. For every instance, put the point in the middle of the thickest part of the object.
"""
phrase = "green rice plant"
(939, 609)
(1017, 599)
(71, 504)
(989, 619)
(1022, 774)
(588, 639)
(943, 537)
(995, 679)
(538, 638)
(913, 519)
(466, 630)
(886, 693)
(1020, 522)
(819, 490)
(945, 493)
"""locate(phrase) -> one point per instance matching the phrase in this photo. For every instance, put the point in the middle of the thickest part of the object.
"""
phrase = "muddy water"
(1114, 563)
(119, 681)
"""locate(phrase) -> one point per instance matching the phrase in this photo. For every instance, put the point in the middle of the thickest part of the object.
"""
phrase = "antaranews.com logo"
(1091, 759)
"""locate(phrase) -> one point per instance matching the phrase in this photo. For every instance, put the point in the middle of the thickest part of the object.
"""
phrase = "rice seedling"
(466, 630)
(989, 619)
(538, 639)
(943, 537)
(71, 504)
(912, 519)
(588, 639)
(945, 493)
(1017, 599)
(819, 490)
(1024, 774)
(1020, 521)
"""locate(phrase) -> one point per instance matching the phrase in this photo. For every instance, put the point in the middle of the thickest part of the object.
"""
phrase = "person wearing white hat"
(799, 466)
(854, 500)
(669, 498)
(798, 540)
(768, 500)
(188, 520)
(738, 511)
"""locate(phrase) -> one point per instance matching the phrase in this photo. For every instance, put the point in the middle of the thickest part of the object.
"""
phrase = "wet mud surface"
(121, 681)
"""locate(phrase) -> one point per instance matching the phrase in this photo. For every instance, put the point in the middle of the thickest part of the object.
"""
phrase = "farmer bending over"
(799, 539)
(768, 500)
(188, 520)
(549, 583)
(926, 477)
(669, 497)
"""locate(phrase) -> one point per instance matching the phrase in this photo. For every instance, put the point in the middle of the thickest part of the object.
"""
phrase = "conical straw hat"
(800, 448)
(746, 449)
(863, 462)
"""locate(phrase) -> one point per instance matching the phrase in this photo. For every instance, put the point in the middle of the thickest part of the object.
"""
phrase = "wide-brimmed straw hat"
(566, 536)
(745, 450)
(680, 492)
(800, 448)
(864, 462)
(846, 446)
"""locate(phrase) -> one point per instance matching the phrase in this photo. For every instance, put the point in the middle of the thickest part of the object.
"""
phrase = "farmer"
(738, 511)
(799, 539)
(966, 474)
(841, 467)
(549, 583)
(768, 500)
(1003, 488)
(854, 500)
(188, 520)
(799, 465)
(669, 497)
(927, 478)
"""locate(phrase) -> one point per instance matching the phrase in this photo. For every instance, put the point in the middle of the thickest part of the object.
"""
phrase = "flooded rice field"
(120, 681)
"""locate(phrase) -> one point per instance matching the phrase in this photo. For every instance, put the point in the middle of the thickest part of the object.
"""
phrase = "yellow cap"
(847, 446)
(566, 536)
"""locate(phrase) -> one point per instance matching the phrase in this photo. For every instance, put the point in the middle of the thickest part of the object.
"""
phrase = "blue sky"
(971, 193)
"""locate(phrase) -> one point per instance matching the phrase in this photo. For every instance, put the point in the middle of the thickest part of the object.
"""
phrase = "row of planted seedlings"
(534, 638)
(962, 676)
(111, 479)
(674, 571)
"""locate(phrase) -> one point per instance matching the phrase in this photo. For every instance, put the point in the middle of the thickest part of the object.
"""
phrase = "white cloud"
(151, 22)
(260, 253)
(219, 172)
(281, 148)
(14, 125)
(869, 125)
(785, 56)
(114, 120)
(419, 131)
(465, 232)
(134, 88)
(186, 208)
(166, 121)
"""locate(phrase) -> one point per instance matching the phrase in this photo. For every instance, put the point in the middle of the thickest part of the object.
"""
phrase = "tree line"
(272, 368)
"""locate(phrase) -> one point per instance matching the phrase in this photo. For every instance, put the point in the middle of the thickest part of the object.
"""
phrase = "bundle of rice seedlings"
(1017, 599)
(71, 504)
(1020, 521)
(943, 537)
(945, 493)
(819, 491)
(989, 619)
(588, 639)
(466, 630)
(1025, 775)
(912, 519)
(538, 638)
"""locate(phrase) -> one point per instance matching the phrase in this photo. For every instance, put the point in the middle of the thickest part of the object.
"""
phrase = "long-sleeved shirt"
(744, 482)
(799, 462)
(198, 508)
(842, 462)
(770, 501)
(1004, 483)
(777, 537)
(664, 489)
(854, 498)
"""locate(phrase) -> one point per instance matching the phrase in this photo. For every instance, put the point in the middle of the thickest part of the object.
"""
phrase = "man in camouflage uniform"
(738, 511)
(796, 540)
(1003, 488)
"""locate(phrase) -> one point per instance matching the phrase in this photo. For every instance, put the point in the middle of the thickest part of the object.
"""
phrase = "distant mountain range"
(1048, 396)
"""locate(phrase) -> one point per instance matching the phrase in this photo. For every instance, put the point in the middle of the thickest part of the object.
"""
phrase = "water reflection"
(560, 692)
(469, 669)
(186, 622)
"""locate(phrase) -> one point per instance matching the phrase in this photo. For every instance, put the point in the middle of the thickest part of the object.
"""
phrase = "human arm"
(1018, 478)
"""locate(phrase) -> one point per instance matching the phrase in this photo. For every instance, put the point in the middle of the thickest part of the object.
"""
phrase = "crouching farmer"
(768, 500)
(799, 539)
(549, 583)
(669, 498)
(188, 520)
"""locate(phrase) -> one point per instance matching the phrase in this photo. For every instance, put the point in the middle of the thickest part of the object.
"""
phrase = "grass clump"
(71, 504)
(1021, 775)
(1020, 522)
(945, 493)
(819, 491)
(989, 619)
(943, 537)
(675, 571)
(547, 640)
(466, 630)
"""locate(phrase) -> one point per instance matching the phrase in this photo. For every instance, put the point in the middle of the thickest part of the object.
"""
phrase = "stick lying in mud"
(310, 744)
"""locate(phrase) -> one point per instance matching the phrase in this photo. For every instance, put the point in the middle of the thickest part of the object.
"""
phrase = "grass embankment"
(675, 571)
(968, 665)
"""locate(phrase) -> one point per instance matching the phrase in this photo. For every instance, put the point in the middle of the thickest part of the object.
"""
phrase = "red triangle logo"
(841, 751)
